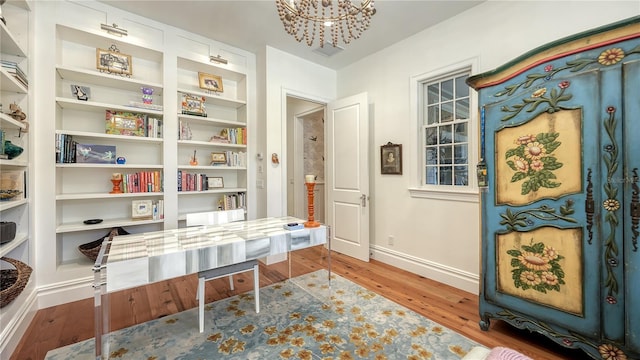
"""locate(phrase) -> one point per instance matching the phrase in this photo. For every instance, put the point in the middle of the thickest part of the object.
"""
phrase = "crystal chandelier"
(304, 18)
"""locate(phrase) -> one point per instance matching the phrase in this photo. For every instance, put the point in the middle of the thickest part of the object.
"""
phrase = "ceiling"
(250, 25)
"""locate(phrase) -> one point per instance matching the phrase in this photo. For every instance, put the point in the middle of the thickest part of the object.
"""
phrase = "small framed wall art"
(391, 159)
(215, 182)
(113, 61)
(210, 82)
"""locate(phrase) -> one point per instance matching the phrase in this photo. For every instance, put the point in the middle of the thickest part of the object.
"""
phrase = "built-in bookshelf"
(16, 126)
(212, 141)
(77, 101)
(104, 130)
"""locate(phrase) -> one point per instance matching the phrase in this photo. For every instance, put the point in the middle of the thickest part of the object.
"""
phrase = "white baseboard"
(11, 332)
(65, 292)
(445, 274)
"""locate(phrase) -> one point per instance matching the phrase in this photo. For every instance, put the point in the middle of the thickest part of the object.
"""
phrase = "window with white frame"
(444, 115)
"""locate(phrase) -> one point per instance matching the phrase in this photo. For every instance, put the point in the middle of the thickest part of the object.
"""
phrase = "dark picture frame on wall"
(391, 159)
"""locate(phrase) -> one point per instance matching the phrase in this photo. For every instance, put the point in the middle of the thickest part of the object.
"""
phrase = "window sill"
(470, 196)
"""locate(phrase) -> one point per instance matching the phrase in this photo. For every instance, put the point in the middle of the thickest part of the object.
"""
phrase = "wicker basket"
(92, 249)
(13, 281)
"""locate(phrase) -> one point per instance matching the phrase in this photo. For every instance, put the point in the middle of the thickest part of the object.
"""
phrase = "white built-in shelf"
(106, 224)
(89, 196)
(214, 191)
(9, 43)
(109, 166)
(209, 143)
(10, 204)
(109, 136)
(97, 38)
(212, 167)
(104, 79)
(212, 121)
(7, 122)
(75, 104)
(219, 100)
(13, 163)
(10, 84)
(17, 241)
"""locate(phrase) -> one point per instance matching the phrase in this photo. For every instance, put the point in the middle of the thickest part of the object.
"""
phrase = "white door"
(347, 180)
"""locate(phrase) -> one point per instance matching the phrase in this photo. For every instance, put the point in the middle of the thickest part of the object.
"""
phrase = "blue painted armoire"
(560, 153)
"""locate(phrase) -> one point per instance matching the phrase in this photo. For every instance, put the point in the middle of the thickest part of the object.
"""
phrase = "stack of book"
(13, 69)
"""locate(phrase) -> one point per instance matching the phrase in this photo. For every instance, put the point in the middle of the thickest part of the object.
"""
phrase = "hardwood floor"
(456, 309)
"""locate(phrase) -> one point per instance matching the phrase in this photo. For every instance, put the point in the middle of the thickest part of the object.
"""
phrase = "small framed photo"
(81, 92)
(218, 158)
(193, 105)
(142, 210)
(391, 159)
(215, 182)
(113, 61)
(210, 82)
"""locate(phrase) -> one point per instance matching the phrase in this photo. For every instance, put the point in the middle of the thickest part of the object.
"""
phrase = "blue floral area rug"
(303, 318)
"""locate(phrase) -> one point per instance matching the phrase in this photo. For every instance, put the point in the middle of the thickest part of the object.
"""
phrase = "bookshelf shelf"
(13, 244)
(85, 196)
(87, 134)
(7, 122)
(95, 77)
(10, 44)
(10, 84)
(74, 104)
(109, 166)
(106, 224)
(210, 144)
(211, 121)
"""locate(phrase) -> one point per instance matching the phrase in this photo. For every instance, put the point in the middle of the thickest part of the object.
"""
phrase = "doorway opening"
(305, 146)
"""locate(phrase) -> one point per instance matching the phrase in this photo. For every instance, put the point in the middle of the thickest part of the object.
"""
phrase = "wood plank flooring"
(456, 309)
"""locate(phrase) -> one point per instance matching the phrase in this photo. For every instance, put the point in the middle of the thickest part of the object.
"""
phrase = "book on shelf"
(237, 136)
(233, 201)
(192, 181)
(14, 69)
(66, 149)
(233, 159)
(142, 181)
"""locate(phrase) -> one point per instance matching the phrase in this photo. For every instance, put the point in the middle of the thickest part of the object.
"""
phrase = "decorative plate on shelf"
(9, 194)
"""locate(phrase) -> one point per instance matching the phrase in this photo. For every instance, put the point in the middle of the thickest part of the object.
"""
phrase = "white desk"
(140, 259)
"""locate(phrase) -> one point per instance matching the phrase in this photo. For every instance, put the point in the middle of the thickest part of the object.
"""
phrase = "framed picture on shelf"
(210, 82)
(215, 182)
(113, 61)
(95, 154)
(218, 158)
(12, 185)
(391, 159)
(81, 92)
(193, 105)
(125, 123)
(141, 210)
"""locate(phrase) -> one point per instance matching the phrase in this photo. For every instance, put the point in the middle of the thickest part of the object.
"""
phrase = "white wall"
(287, 75)
(440, 238)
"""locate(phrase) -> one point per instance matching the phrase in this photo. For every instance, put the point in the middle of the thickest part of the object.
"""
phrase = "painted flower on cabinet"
(537, 267)
(534, 161)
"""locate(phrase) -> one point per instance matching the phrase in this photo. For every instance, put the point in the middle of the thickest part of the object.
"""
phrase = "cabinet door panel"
(631, 115)
(536, 218)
